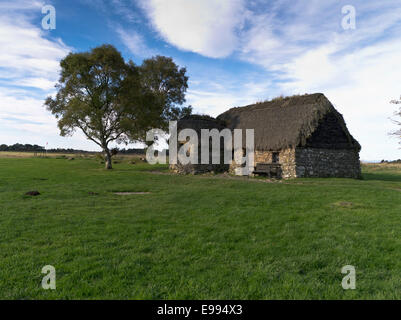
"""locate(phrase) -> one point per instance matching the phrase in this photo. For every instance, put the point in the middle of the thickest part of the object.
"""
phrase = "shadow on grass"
(381, 176)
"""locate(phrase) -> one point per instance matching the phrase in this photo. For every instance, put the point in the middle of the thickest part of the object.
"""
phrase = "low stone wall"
(311, 162)
(299, 162)
(198, 168)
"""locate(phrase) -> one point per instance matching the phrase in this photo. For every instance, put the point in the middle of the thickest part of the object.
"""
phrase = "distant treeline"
(18, 147)
(394, 161)
(35, 148)
(22, 147)
(131, 151)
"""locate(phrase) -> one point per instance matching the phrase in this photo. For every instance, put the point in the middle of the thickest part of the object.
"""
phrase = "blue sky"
(236, 52)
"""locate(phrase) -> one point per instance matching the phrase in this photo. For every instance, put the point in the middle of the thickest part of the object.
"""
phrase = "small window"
(275, 157)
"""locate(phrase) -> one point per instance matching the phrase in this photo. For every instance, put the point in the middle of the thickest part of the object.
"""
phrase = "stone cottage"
(197, 123)
(298, 136)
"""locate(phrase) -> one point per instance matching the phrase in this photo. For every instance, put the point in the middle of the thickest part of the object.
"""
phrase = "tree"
(168, 83)
(106, 98)
(398, 114)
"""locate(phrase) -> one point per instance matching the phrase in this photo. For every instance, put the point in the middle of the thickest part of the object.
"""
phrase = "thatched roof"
(198, 122)
(292, 122)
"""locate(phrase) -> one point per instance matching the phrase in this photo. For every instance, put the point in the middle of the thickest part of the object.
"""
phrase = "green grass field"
(195, 237)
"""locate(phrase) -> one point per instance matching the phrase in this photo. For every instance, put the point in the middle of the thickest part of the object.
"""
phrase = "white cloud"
(23, 119)
(207, 27)
(215, 96)
(360, 84)
(28, 53)
(359, 72)
(20, 5)
(29, 69)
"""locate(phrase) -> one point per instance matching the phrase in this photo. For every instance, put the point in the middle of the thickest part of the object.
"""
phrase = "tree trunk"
(108, 159)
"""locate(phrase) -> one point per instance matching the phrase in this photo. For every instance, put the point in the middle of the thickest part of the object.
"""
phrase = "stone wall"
(286, 159)
(234, 165)
(312, 162)
(299, 162)
(200, 168)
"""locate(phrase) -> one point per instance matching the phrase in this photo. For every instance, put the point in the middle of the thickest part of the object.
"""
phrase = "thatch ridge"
(198, 122)
(286, 122)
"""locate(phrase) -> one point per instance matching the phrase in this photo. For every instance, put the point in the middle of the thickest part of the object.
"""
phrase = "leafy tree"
(109, 101)
(168, 83)
(398, 114)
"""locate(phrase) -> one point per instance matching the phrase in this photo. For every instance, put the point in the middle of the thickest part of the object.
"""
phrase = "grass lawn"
(195, 237)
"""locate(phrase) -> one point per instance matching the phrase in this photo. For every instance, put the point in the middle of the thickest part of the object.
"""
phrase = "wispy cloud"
(126, 27)
(29, 67)
(124, 9)
(134, 42)
(21, 5)
(30, 58)
(214, 96)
